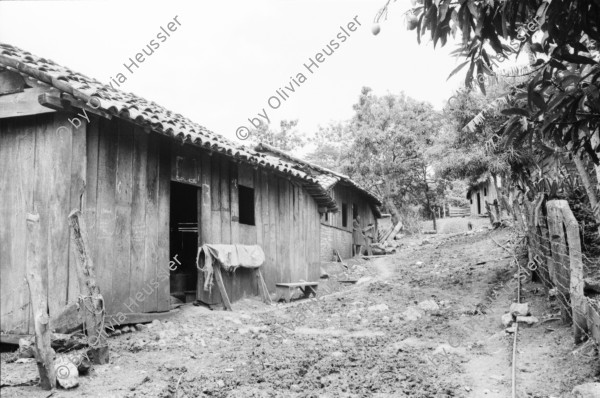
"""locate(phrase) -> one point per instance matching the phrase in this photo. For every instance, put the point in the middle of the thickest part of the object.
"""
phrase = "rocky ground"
(420, 323)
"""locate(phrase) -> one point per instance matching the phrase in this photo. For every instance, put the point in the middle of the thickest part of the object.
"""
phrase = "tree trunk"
(587, 184)
(502, 200)
(427, 199)
(432, 213)
(391, 207)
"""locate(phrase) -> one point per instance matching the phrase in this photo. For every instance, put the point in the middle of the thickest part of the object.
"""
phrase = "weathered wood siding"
(120, 177)
(42, 161)
(336, 236)
(286, 219)
(126, 205)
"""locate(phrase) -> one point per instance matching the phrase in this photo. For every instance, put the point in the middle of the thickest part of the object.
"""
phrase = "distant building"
(350, 200)
(480, 193)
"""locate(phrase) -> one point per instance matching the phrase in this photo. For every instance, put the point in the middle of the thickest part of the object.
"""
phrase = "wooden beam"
(12, 338)
(262, 286)
(219, 278)
(91, 301)
(58, 341)
(34, 265)
(135, 317)
(53, 101)
(125, 319)
(23, 104)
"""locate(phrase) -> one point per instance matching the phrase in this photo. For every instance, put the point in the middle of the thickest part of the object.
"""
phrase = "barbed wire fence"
(555, 256)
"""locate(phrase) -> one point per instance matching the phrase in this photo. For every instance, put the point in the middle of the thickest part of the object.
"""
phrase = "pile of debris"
(386, 242)
(73, 352)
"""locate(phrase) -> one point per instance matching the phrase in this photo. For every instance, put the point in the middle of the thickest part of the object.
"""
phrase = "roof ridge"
(339, 176)
(148, 114)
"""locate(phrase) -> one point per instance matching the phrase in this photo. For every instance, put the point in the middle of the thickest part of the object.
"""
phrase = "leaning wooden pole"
(38, 293)
(91, 301)
(221, 286)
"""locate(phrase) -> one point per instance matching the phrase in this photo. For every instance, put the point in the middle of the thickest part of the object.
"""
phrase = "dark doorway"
(246, 205)
(478, 203)
(184, 241)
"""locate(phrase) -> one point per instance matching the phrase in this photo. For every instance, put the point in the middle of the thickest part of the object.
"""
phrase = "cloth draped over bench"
(230, 257)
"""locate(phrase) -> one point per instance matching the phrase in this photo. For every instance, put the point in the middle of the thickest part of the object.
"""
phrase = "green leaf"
(538, 100)
(465, 23)
(480, 77)
(443, 9)
(457, 69)
(469, 76)
(515, 111)
(577, 59)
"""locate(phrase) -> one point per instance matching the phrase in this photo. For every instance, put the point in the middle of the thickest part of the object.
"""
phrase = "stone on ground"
(429, 305)
(507, 320)
(511, 329)
(446, 348)
(378, 308)
(519, 309)
(26, 348)
(412, 314)
(587, 390)
(66, 373)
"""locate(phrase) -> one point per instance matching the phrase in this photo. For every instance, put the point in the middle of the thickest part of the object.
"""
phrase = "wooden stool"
(285, 290)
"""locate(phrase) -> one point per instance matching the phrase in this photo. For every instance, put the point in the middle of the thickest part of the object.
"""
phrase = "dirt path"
(417, 324)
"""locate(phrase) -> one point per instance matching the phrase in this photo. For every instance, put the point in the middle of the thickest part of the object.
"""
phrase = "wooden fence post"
(532, 244)
(578, 301)
(541, 223)
(91, 301)
(38, 291)
(558, 242)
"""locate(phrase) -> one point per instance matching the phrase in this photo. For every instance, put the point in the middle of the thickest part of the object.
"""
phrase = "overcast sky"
(226, 59)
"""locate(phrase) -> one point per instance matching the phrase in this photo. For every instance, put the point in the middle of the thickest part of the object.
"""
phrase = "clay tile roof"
(326, 178)
(152, 116)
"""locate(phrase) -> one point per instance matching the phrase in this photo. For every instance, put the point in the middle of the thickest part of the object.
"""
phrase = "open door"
(184, 240)
(478, 203)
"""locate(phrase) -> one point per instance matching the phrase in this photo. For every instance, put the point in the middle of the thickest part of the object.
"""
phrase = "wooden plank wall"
(337, 236)
(42, 161)
(121, 176)
(127, 200)
(286, 220)
(350, 196)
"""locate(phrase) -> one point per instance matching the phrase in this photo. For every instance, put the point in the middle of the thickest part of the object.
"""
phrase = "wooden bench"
(285, 290)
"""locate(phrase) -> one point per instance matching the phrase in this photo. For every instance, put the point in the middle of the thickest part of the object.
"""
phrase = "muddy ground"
(420, 323)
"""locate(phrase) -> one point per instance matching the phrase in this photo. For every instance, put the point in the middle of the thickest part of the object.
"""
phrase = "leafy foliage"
(561, 101)
(390, 137)
(475, 151)
(330, 144)
(287, 138)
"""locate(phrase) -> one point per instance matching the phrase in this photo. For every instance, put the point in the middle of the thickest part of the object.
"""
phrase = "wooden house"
(480, 193)
(152, 187)
(350, 200)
